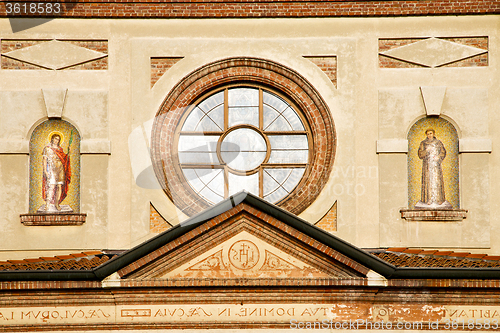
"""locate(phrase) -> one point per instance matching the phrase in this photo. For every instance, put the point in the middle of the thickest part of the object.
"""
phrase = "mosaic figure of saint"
(432, 153)
(56, 175)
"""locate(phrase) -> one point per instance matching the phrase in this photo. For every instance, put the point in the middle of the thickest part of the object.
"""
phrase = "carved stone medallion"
(243, 254)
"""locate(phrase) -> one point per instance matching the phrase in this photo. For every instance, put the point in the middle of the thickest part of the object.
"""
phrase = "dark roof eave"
(49, 275)
(364, 258)
(452, 273)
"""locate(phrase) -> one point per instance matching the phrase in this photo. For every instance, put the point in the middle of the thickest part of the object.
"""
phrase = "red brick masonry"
(261, 8)
(94, 45)
(53, 219)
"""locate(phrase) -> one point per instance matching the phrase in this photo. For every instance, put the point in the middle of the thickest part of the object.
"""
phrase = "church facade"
(225, 165)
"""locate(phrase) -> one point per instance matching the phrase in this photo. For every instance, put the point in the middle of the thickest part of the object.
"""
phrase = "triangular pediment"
(243, 243)
(244, 255)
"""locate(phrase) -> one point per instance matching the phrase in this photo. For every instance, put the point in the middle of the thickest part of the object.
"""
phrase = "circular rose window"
(243, 138)
(243, 124)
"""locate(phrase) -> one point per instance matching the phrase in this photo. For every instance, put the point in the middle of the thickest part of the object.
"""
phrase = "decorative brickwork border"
(160, 65)
(233, 70)
(328, 64)
(8, 45)
(53, 219)
(329, 221)
(433, 215)
(386, 44)
(261, 8)
(157, 223)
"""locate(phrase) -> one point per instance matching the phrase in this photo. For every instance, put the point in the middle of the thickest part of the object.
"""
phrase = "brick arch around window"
(245, 70)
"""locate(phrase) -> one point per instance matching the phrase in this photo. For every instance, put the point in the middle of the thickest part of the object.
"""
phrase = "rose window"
(243, 138)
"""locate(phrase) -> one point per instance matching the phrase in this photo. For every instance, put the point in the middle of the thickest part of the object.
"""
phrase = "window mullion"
(261, 182)
(226, 109)
(226, 182)
(261, 109)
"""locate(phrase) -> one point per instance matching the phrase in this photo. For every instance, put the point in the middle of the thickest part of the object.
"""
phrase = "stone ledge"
(443, 215)
(53, 219)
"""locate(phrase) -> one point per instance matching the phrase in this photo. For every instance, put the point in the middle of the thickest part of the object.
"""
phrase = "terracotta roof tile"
(65, 257)
(34, 260)
(436, 259)
(86, 261)
(413, 251)
(49, 258)
(92, 253)
(443, 253)
(14, 262)
(397, 249)
(479, 256)
(78, 255)
(427, 252)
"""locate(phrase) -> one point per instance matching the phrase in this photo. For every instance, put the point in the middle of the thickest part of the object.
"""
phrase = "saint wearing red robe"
(56, 174)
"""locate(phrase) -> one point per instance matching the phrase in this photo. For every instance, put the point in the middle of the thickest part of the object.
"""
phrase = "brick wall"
(157, 223)
(94, 45)
(260, 8)
(160, 66)
(329, 221)
(475, 61)
(328, 64)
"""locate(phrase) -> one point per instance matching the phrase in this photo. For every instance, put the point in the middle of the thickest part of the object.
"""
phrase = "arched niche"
(436, 168)
(54, 168)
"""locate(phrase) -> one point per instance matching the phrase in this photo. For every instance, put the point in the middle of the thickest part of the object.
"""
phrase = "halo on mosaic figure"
(52, 133)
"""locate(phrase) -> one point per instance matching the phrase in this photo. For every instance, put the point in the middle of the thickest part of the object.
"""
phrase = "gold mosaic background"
(39, 139)
(447, 133)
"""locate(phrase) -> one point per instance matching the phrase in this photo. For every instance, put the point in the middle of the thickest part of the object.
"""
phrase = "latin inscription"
(250, 312)
(56, 315)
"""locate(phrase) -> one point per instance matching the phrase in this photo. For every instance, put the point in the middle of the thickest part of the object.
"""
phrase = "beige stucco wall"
(370, 187)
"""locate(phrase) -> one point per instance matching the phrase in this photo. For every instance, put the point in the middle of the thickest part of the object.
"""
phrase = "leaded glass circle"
(243, 149)
(243, 138)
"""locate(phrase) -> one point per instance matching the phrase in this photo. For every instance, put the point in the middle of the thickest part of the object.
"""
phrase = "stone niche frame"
(246, 70)
(38, 141)
(447, 131)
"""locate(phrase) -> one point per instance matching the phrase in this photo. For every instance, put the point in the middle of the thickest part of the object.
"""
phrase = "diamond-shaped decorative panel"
(54, 54)
(433, 52)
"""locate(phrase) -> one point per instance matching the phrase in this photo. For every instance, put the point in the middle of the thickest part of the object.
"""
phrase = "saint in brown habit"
(432, 153)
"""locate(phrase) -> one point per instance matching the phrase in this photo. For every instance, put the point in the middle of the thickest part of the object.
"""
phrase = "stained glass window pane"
(293, 179)
(274, 101)
(288, 156)
(197, 143)
(208, 182)
(288, 141)
(274, 178)
(193, 119)
(276, 196)
(208, 104)
(270, 115)
(217, 116)
(238, 183)
(243, 97)
(293, 119)
(243, 115)
(198, 158)
(278, 124)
